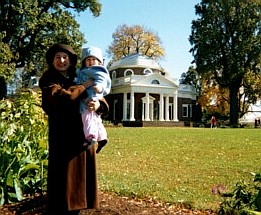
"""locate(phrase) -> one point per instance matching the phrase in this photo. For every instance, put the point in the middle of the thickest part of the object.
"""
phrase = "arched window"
(128, 72)
(114, 75)
(155, 82)
(147, 71)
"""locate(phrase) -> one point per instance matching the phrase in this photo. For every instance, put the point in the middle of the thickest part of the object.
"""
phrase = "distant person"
(213, 122)
(257, 123)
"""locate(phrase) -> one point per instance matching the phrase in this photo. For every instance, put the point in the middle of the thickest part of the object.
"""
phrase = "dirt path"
(110, 204)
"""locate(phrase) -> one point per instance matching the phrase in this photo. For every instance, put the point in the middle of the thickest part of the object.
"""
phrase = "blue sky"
(170, 19)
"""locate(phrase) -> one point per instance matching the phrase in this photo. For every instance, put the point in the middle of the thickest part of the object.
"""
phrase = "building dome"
(136, 60)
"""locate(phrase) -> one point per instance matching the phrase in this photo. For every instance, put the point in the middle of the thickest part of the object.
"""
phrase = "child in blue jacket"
(93, 69)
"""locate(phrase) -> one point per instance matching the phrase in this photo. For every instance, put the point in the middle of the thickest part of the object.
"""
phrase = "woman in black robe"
(72, 177)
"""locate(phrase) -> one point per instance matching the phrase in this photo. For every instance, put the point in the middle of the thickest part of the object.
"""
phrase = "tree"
(135, 39)
(6, 66)
(250, 91)
(226, 44)
(214, 99)
(29, 27)
(191, 77)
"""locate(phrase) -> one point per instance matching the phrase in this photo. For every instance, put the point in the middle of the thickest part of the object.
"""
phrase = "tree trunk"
(3, 88)
(234, 104)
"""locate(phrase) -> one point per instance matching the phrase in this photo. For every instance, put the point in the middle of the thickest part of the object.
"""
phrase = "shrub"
(245, 198)
(23, 147)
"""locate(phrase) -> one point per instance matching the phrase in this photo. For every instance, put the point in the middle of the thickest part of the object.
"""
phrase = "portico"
(157, 102)
(167, 111)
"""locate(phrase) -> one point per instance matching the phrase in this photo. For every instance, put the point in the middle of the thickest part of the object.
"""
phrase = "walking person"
(213, 122)
(72, 177)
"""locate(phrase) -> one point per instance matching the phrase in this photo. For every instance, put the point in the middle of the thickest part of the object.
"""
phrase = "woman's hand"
(56, 89)
(94, 105)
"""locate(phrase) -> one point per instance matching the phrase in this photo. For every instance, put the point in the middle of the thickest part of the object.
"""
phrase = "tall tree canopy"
(29, 27)
(191, 77)
(226, 44)
(135, 39)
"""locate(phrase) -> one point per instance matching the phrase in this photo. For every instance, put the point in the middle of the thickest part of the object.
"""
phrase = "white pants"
(92, 126)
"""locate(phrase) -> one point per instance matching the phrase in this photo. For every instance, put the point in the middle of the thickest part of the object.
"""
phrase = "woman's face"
(91, 61)
(61, 61)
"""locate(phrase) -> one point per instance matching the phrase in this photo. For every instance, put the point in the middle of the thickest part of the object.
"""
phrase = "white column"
(161, 106)
(143, 112)
(147, 107)
(175, 108)
(124, 117)
(132, 105)
(167, 108)
(151, 111)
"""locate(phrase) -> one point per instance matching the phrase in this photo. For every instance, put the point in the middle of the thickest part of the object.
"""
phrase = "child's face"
(91, 61)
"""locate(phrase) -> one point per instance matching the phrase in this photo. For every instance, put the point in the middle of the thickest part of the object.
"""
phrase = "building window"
(185, 110)
(128, 72)
(147, 71)
(155, 82)
(114, 75)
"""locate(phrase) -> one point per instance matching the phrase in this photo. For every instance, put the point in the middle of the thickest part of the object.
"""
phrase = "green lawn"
(178, 164)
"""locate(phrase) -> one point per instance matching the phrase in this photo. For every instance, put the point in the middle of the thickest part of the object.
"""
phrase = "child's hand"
(97, 89)
(88, 83)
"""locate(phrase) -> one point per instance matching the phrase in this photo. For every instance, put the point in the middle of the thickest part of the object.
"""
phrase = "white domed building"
(141, 94)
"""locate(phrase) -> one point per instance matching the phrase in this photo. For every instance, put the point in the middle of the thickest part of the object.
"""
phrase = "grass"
(178, 165)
